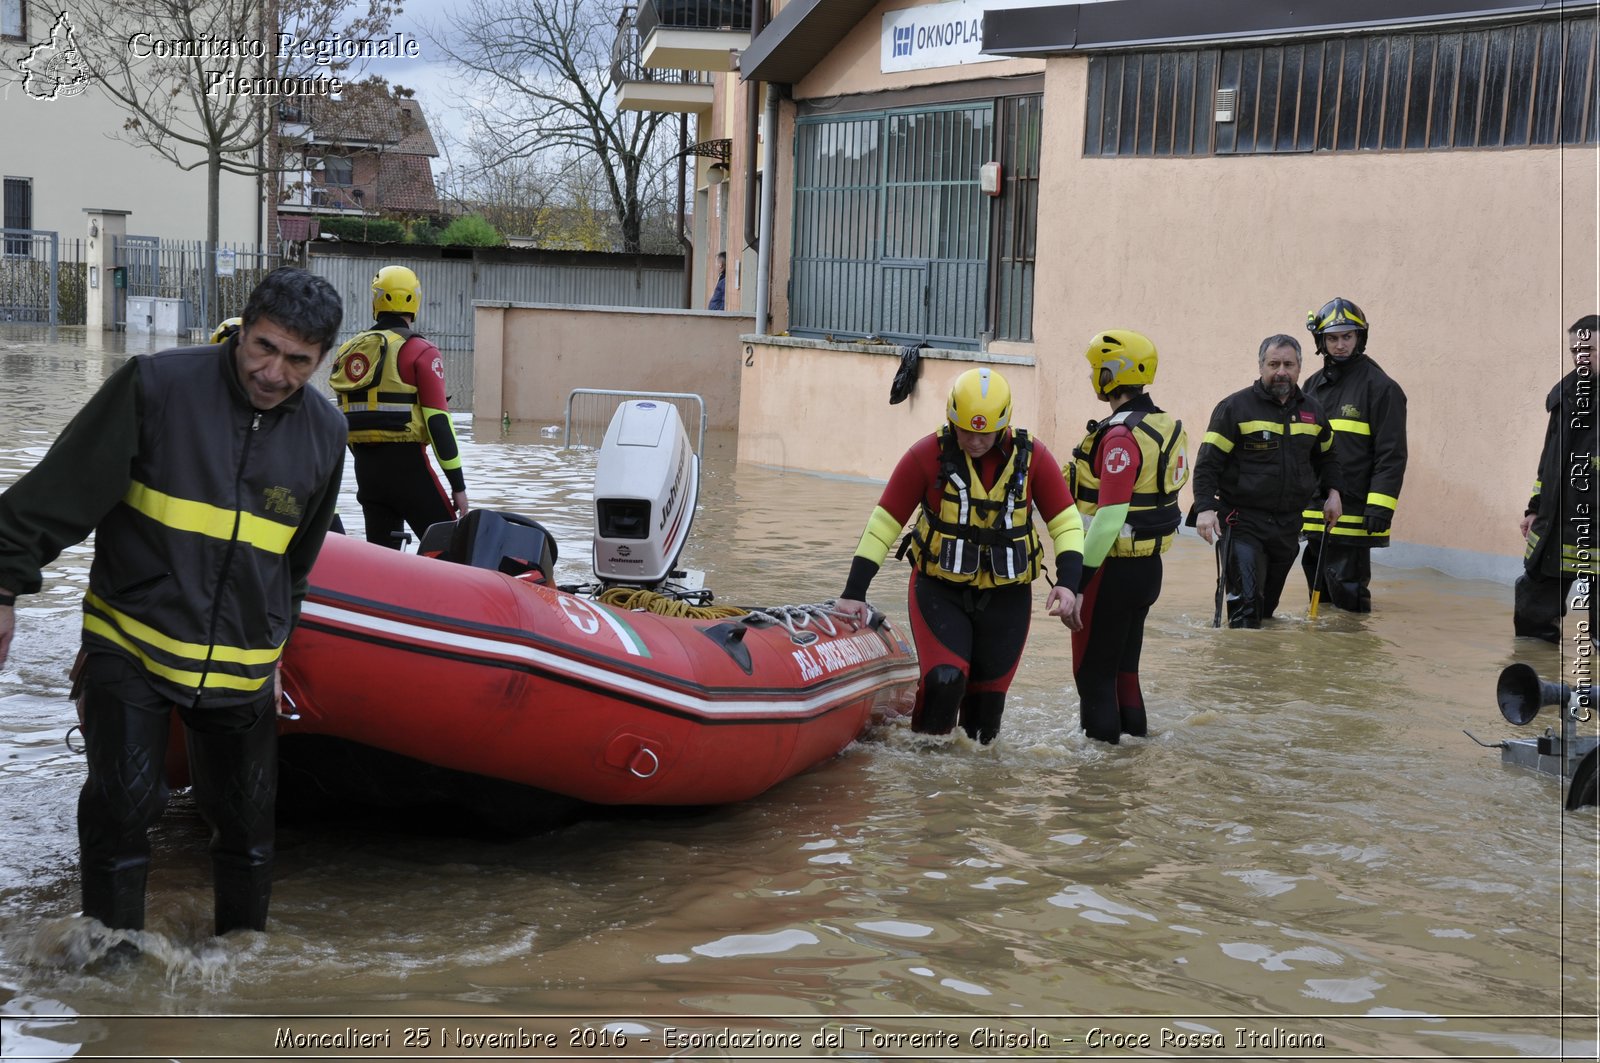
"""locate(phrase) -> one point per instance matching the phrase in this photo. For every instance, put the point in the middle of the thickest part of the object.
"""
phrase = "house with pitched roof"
(364, 154)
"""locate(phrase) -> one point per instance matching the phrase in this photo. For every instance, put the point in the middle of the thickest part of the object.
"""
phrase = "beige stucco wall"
(824, 407)
(69, 148)
(527, 358)
(722, 228)
(1470, 265)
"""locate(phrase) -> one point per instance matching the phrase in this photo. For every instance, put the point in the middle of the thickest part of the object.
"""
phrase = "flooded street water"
(1307, 859)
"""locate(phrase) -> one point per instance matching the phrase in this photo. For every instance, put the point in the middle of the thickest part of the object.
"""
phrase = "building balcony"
(640, 88)
(325, 199)
(692, 34)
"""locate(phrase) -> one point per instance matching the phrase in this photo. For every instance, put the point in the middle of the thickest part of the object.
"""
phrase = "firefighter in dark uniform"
(1560, 520)
(1125, 476)
(1368, 412)
(208, 476)
(1267, 449)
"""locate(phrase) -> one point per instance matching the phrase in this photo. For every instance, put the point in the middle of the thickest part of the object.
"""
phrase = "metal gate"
(176, 269)
(30, 270)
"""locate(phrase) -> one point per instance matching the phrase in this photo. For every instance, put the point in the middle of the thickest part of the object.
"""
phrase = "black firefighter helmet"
(1338, 315)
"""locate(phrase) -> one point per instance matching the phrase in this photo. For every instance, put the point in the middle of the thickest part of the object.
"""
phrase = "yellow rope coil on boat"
(665, 604)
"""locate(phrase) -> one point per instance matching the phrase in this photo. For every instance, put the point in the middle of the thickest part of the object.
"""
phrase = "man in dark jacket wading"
(208, 476)
(1368, 413)
(1268, 449)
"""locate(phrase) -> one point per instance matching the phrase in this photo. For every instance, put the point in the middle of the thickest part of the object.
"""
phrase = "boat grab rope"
(794, 617)
(665, 604)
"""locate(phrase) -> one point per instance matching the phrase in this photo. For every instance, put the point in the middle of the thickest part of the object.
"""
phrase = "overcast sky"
(437, 86)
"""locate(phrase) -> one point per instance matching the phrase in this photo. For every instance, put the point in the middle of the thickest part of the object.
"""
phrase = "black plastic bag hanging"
(905, 378)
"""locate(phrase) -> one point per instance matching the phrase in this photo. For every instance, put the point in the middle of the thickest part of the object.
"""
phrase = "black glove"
(1378, 519)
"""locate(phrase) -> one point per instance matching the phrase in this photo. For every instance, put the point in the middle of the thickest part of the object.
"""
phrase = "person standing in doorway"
(974, 554)
(1368, 413)
(1561, 514)
(1267, 449)
(208, 476)
(1125, 476)
(390, 385)
(719, 294)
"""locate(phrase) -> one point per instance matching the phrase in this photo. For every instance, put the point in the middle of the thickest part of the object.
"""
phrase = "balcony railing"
(693, 15)
(342, 198)
(627, 62)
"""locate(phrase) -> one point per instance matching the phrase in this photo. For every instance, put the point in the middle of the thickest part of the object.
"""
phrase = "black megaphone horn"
(1521, 692)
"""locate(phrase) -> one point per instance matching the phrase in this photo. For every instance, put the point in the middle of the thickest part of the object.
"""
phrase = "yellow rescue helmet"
(980, 401)
(396, 290)
(1130, 356)
(227, 328)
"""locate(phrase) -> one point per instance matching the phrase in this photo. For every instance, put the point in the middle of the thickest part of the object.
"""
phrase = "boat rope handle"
(794, 617)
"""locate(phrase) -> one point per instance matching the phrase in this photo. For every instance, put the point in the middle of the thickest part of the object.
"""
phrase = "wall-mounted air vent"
(1227, 99)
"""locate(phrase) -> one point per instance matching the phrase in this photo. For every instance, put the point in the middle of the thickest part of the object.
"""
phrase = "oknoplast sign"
(948, 34)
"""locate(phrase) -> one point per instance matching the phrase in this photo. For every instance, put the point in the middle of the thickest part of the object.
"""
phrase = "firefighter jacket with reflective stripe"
(379, 406)
(983, 536)
(1368, 413)
(1562, 537)
(1153, 513)
(1260, 455)
(207, 515)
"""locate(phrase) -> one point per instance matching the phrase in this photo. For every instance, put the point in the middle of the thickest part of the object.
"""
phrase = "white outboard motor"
(646, 486)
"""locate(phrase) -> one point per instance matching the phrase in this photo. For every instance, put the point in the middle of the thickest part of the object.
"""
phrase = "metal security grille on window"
(1492, 86)
(894, 238)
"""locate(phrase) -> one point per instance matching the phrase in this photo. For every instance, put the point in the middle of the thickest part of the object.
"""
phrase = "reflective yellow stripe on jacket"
(1575, 560)
(202, 518)
(191, 664)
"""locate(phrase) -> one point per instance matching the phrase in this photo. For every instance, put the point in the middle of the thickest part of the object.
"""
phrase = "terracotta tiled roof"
(418, 138)
(405, 183)
(368, 114)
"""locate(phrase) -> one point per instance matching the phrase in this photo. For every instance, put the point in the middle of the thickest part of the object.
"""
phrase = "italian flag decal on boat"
(587, 617)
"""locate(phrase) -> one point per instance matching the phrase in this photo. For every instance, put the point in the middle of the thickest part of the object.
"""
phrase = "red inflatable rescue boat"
(461, 666)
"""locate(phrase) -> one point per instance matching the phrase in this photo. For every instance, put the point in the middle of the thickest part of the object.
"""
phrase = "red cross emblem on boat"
(979, 422)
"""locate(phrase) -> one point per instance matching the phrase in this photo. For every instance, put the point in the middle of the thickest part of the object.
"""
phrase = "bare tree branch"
(197, 77)
(543, 67)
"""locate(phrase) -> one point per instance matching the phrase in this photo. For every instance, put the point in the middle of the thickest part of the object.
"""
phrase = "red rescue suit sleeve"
(422, 366)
